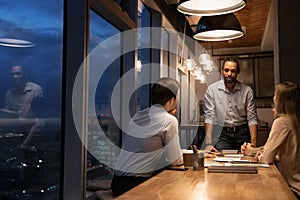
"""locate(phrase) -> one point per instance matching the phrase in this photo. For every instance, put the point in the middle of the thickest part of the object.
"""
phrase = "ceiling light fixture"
(204, 58)
(11, 42)
(189, 64)
(138, 65)
(218, 28)
(210, 7)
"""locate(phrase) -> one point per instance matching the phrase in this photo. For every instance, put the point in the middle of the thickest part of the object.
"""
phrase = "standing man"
(150, 143)
(23, 97)
(230, 111)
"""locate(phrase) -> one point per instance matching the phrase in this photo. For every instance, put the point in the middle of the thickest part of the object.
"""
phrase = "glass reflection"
(30, 98)
(100, 154)
(144, 19)
(165, 54)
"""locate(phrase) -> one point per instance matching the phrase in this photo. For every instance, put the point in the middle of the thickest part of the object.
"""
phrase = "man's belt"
(233, 129)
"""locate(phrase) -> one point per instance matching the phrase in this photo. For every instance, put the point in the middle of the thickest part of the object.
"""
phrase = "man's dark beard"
(230, 79)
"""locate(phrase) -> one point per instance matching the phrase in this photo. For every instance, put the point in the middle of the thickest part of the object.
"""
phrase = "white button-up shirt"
(151, 142)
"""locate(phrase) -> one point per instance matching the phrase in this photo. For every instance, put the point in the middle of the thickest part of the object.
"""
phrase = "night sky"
(40, 22)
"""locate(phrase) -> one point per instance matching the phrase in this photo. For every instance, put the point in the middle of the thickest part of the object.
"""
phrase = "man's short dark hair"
(164, 90)
(232, 60)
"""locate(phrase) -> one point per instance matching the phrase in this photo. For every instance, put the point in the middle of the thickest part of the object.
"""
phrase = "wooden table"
(184, 185)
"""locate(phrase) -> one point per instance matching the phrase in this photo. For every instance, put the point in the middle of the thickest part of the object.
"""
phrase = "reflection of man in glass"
(23, 97)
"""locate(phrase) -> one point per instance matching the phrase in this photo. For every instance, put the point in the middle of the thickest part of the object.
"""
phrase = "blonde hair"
(288, 102)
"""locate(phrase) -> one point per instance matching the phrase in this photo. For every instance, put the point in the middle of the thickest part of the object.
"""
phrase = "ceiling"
(253, 19)
(258, 20)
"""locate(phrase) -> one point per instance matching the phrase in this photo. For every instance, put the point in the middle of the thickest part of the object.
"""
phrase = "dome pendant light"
(210, 7)
(218, 28)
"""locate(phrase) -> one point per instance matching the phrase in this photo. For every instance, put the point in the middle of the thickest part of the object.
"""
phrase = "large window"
(143, 96)
(104, 73)
(165, 53)
(31, 46)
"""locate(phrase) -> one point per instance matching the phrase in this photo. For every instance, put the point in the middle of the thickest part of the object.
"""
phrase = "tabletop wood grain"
(191, 185)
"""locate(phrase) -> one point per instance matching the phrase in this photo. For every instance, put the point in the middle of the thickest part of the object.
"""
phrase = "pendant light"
(189, 64)
(218, 28)
(210, 7)
(12, 42)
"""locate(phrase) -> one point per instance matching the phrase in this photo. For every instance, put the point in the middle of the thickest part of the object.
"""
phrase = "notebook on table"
(232, 169)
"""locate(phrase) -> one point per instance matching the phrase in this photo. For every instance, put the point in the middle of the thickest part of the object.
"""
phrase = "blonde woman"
(284, 137)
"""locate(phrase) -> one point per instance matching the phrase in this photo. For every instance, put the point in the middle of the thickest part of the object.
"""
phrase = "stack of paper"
(238, 160)
(230, 169)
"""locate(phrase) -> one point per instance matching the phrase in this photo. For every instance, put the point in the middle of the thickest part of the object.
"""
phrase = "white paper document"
(226, 159)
